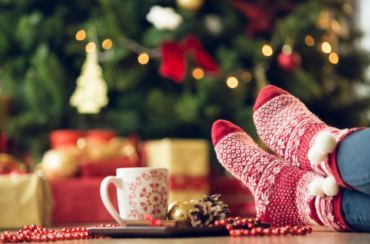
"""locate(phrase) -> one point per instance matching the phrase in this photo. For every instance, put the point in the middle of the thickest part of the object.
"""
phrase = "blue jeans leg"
(353, 160)
(356, 210)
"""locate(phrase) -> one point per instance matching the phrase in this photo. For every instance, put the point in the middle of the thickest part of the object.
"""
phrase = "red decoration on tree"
(174, 65)
(261, 15)
(289, 62)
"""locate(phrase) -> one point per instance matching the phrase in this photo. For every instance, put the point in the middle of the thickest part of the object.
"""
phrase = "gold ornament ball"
(192, 5)
(179, 211)
(59, 164)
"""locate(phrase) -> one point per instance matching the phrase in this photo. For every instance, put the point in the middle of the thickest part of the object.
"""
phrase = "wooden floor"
(318, 236)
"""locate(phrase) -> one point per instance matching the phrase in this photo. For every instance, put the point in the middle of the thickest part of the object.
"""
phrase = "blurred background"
(89, 86)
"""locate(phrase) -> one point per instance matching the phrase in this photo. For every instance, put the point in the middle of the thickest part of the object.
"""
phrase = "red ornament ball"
(289, 62)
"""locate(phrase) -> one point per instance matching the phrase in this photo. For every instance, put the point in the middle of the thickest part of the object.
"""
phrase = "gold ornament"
(59, 164)
(192, 5)
(179, 211)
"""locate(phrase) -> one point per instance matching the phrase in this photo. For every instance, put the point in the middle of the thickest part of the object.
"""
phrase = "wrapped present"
(188, 163)
(78, 200)
(25, 200)
(235, 194)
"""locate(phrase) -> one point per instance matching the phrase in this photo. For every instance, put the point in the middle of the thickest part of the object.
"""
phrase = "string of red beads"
(35, 233)
(232, 224)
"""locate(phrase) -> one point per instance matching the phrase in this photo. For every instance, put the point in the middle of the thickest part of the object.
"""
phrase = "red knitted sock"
(294, 133)
(282, 192)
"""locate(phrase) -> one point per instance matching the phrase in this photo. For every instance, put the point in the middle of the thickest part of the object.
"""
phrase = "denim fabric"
(353, 160)
(356, 210)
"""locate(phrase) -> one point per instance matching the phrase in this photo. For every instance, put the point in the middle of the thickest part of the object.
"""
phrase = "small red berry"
(229, 227)
(251, 220)
(232, 232)
(217, 223)
(238, 232)
(257, 220)
(210, 225)
(246, 232)
(250, 226)
(267, 231)
(230, 220)
(223, 222)
(238, 222)
(238, 218)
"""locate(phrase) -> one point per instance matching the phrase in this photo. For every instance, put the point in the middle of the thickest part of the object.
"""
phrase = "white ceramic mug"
(139, 191)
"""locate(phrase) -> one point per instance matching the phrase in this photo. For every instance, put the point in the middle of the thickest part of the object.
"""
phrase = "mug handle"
(105, 197)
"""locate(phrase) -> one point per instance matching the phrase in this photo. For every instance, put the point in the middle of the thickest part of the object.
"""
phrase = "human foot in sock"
(294, 133)
(282, 192)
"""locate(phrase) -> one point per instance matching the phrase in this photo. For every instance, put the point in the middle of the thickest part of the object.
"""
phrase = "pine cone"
(208, 210)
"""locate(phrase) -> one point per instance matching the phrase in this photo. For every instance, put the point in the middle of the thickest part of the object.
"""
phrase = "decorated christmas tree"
(174, 67)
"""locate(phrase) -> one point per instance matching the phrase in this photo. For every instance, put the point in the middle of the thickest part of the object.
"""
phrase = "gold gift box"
(24, 200)
(188, 163)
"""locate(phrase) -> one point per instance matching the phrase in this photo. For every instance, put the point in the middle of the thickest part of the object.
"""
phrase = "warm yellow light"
(326, 47)
(90, 47)
(267, 50)
(80, 35)
(232, 82)
(333, 58)
(347, 8)
(107, 44)
(246, 76)
(309, 41)
(198, 73)
(143, 58)
(335, 26)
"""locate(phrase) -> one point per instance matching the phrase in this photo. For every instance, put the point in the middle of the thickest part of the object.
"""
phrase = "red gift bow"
(174, 65)
(152, 221)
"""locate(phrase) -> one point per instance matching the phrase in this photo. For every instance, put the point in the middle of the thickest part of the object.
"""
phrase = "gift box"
(24, 200)
(104, 168)
(235, 194)
(188, 163)
(78, 200)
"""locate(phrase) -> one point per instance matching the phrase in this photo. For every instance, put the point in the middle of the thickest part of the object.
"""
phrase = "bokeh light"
(90, 47)
(198, 73)
(246, 77)
(267, 50)
(80, 35)
(143, 58)
(333, 58)
(107, 44)
(326, 47)
(309, 41)
(232, 82)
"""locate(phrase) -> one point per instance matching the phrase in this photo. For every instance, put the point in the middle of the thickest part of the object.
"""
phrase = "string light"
(326, 47)
(198, 73)
(309, 41)
(267, 50)
(90, 47)
(232, 82)
(80, 35)
(333, 58)
(347, 8)
(107, 44)
(246, 77)
(143, 58)
(287, 50)
(335, 26)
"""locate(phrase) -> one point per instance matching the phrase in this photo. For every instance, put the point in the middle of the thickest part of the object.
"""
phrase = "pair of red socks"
(303, 190)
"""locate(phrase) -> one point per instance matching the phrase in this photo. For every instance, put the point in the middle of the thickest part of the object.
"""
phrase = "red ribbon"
(174, 65)
(152, 221)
